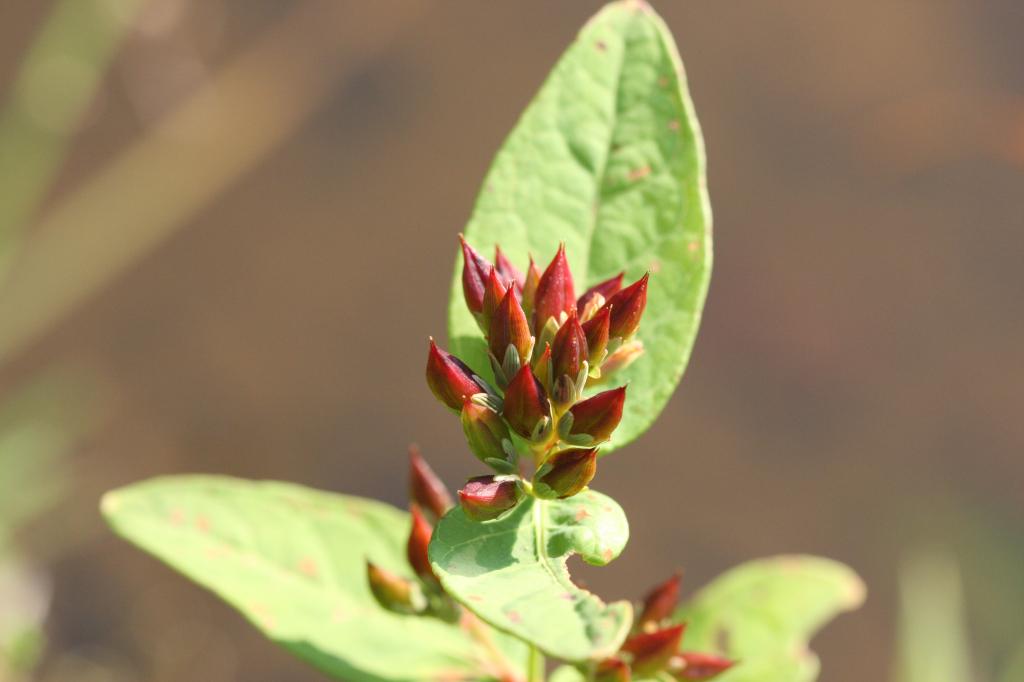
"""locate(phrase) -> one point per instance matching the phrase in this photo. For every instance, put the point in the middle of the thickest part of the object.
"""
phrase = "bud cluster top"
(545, 346)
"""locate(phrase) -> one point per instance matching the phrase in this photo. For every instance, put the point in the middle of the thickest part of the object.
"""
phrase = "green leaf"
(609, 159)
(763, 614)
(512, 572)
(292, 561)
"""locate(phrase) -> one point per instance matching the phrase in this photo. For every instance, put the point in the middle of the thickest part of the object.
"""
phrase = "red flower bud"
(494, 292)
(569, 349)
(660, 602)
(612, 670)
(566, 473)
(598, 416)
(509, 327)
(627, 307)
(507, 271)
(474, 274)
(450, 380)
(530, 287)
(606, 289)
(394, 592)
(487, 497)
(555, 294)
(525, 404)
(701, 667)
(416, 546)
(652, 650)
(596, 330)
(425, 488)
(485, 430)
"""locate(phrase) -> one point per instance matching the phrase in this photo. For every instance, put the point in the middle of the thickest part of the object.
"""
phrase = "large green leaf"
(763, 614)
(292, 560)
(512, 572)
(608, 158)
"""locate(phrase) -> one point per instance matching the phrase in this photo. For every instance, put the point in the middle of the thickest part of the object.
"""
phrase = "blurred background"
(227, 228)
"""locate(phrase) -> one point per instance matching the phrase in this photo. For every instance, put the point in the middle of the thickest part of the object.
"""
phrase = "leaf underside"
(512, 572)
(292, 561)
(609, 159)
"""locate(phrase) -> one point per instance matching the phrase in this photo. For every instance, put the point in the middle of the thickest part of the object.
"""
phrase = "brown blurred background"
(251, 229)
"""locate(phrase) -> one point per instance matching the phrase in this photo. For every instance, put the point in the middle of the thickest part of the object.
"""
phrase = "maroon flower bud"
(494, 292)
(474, 274)
(660, 602)
(487, 497)
(652, 650)
(596, 330)
(394, 592)
(416, 546)
(700, 667)
(509, 327)
(450, 380)
(526, 404)
(612, 670)
(555, 294)
(606, 289)
(425, 488)
(569, 349)
(507, 271)
(598, 416)
(626, 308)
(485, 431)
(566, 473)
(530, 287)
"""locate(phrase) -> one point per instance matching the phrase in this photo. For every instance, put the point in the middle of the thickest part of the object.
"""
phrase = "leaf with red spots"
(293, 561)
(512, 572)
(607, 159)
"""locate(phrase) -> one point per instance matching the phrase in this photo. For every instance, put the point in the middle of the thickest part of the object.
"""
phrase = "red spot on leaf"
(639, 173)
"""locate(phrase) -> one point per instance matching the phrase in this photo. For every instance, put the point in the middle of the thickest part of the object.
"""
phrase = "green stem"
(535, 666)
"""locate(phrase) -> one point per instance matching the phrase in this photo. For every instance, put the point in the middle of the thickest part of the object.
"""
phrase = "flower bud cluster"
(652, 651)
(545, 345)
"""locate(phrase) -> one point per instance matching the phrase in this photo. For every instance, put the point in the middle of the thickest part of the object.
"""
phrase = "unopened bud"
(626, 308)
(605, 290)
(660, 602)
(542, 368)
(652, 650)
(485, 431)
(494, 291)
(698, 667)
(555, 294)
(530, 287)
(487, 497)
(394, 592)
(622, 357)
(507, 271)
(596, 331)
(612, 670)
(526, 404)
(569, 349)
(598, 416)
(425, 488)
(450, 379)
(416, 546)
(510, 328)
(474, 274)
(566, 473)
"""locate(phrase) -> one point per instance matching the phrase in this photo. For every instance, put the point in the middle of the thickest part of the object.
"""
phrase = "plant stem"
(535, 666)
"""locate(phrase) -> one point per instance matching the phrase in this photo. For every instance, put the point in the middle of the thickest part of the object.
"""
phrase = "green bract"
(293, 561)
(608, 158)
(511, 572)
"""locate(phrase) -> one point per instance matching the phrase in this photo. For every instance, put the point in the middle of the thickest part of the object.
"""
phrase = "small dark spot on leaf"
(673, 126)
(663, 81)
(601, 46)
(514, 616)
(639, 173)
